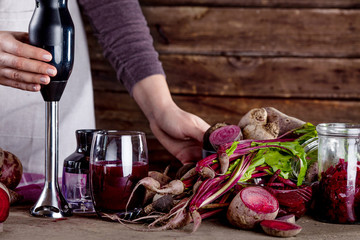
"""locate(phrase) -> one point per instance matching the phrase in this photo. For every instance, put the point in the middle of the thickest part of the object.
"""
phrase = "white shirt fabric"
(22, 113)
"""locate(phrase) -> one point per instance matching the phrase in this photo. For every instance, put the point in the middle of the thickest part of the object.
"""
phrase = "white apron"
(22, 113)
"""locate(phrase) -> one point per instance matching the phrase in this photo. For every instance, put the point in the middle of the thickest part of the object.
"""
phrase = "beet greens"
(249, 161)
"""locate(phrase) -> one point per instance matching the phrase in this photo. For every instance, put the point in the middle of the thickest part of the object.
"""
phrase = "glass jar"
(75, 180)
(337, 198)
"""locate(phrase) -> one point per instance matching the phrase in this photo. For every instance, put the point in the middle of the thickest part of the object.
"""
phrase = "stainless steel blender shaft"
(51, 203)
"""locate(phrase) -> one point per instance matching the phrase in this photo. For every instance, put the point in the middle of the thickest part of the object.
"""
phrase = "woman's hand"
(23, 66)
(180, 132)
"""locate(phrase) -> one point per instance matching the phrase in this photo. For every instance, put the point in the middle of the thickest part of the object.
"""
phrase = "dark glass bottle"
(75, 180)
(52, 29)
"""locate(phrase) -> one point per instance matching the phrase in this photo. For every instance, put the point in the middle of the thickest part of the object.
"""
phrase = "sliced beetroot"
(292, 201)
(225, 134)
(206, 142)
(251, 206)
(287, 218)
(336, 200)
(10, 169)
(4, 203)
(278, 228)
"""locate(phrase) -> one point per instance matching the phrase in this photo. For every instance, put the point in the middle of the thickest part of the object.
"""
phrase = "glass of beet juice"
(118, 160)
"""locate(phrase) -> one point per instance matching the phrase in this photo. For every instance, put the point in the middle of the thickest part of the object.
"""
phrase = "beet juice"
(112, 184)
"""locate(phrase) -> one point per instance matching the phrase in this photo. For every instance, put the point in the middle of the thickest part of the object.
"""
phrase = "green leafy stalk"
(256, 161)
(307, 131)
(283, 156)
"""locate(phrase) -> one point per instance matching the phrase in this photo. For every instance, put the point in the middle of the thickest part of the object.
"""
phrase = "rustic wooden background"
(225, 57)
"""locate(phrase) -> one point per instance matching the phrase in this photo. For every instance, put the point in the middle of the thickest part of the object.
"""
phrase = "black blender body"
(52, 29)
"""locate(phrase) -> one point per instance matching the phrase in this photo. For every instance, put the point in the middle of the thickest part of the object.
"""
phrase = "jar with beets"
(337, 199)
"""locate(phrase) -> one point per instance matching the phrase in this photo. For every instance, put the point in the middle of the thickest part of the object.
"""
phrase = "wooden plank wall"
(224, 57)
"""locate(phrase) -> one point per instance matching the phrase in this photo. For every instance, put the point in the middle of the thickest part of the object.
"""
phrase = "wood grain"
(258, 3)
(118, 110)
(225, 57)
(251, 76)
(263, 77)
(255, 32)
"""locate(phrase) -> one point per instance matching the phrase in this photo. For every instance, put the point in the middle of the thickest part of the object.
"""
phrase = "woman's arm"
(122, 31)
(180, 132)
(124, 35)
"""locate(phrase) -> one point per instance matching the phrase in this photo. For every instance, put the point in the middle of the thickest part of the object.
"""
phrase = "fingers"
(22, 80)
(202, 126)
(12, 46)
(24, 73)
(186, 151)
(22, 76)
(195, 128)
(26, 64)
(23, 66)
(20, 85)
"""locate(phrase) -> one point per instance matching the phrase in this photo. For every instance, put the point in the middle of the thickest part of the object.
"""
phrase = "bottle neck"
(52, 3)
(84, 139)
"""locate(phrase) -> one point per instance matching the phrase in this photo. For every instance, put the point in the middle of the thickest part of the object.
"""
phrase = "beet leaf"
(281, 155)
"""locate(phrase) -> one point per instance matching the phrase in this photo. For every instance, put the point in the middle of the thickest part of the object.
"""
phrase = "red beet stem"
(235, 177)
(211, 213)
(274, 177)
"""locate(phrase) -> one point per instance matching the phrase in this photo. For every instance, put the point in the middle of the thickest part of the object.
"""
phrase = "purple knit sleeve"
(124, 35)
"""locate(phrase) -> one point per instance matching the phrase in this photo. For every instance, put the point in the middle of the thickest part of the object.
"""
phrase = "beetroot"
(206, 142)
(10, 169)
(250, 206)
(293, 201)
(163, 204)
(225, 134)
(287, 218)
(285, 122)
(267, 123)
(254, 125)
(4, 204)
(278, 228)
(160, 177)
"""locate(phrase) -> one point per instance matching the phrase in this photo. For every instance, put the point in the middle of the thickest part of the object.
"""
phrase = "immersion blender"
(52, 29)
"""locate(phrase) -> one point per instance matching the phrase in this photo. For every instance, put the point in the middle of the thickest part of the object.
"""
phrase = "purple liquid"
(111, 189)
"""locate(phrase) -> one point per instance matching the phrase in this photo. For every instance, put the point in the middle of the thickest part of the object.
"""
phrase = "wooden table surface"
(21, 225)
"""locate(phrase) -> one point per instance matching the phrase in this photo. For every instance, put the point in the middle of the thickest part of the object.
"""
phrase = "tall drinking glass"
(118, 160)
